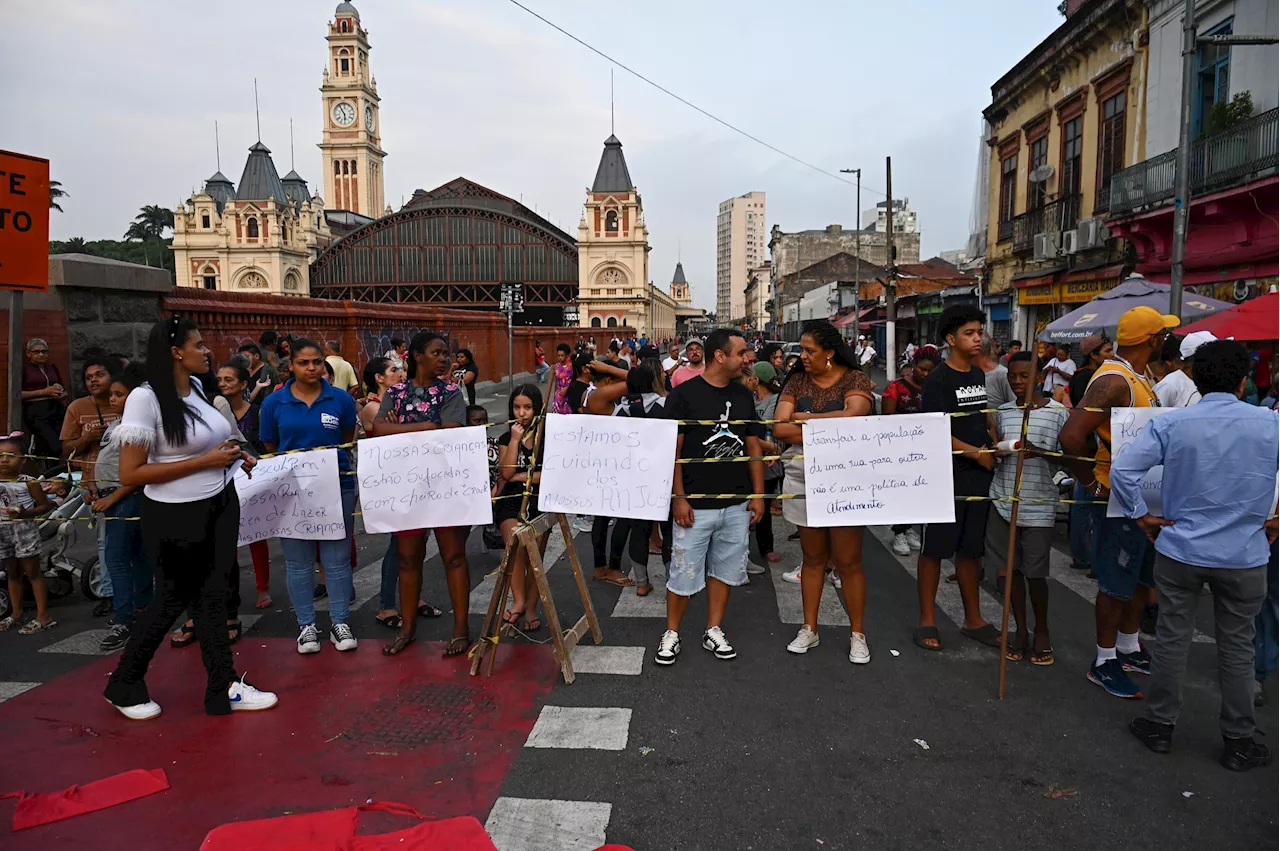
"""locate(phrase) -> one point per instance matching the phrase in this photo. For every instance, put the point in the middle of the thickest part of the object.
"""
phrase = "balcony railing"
(1054, 217)
(1230, 158)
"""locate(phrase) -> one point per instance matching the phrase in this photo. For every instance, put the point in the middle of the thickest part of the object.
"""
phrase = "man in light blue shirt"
(1220, 458)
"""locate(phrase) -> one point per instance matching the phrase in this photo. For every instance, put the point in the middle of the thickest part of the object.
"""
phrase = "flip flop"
(390, 621)
(1043, 658)
(644, 590)
(427, 610)
(7, 623)
(456, 646)
(1016, 651)
(185, 637)
(398, 644)
(985, 634)
(921, 633)
(624, 582)
(531, 625)
(33, 626)
(264, 603)
(234, 630)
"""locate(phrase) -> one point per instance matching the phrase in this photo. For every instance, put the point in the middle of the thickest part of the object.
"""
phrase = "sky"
(122, 97)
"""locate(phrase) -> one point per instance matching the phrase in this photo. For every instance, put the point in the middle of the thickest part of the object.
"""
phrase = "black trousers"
(764, 529)
(600, 540)
(191, 544)
(637, 531)
(44, 421)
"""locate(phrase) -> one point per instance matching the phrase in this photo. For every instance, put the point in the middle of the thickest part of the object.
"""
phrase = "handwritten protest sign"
(292, 496)
(1125, 425)
(611, 466)
(425, 479)
(875, 470)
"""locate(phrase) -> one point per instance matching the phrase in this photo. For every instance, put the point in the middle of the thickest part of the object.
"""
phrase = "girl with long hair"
(465, 373)
(825, 383)
(516, 448)
(179, 449)
(427, 401)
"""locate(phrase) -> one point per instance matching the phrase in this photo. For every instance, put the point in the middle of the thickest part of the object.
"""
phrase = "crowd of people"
(1030, 432)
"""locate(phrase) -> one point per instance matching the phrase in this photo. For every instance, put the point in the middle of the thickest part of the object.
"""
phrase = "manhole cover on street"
(418, 715)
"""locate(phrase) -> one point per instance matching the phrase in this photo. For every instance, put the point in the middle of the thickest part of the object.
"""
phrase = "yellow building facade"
(1061, 122)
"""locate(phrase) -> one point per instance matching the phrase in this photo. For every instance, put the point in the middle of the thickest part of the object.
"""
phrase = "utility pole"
(857, 249)
(891, 285)
(1182, 162)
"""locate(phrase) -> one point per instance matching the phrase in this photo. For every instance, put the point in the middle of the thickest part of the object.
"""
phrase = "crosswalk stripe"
(581, 728)
(791, 609)
(948, 599)
(8, 691)
(590, 659)
(534, 824)
(654, 605)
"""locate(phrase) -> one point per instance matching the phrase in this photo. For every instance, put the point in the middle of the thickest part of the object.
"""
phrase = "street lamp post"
(857, 249)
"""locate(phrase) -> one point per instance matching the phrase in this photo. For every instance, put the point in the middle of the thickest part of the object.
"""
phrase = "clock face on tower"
(368, 118)
(344, 114)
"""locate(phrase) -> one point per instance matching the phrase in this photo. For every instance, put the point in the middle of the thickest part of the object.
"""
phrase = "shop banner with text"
(608, 466)
(292, 496)
(861, 471)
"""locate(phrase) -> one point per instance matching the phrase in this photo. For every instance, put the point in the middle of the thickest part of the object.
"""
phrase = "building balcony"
(1053, 217)
(1234, 157)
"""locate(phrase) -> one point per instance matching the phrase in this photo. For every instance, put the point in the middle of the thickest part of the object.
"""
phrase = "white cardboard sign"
(608, 466)
(861, 471)
(292, 496)
(1125, 425)
(425, 480)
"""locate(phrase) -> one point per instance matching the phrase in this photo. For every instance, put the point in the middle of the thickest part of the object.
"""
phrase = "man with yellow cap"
(1122, 553)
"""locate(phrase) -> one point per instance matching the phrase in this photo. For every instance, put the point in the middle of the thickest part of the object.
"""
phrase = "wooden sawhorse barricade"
(562, 641)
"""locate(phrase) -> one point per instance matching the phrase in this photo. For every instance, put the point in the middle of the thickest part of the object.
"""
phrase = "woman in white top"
(179, 449)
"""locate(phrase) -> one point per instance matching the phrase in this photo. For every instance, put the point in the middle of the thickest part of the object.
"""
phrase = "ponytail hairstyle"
(827, 336)
(174, 411)
(418, 345)
(372, 370)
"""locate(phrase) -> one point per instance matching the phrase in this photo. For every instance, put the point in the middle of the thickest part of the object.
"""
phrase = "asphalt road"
(775, 751)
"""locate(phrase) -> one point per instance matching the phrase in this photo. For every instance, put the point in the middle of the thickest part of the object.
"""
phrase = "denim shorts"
(1122, 554)
(716, 545)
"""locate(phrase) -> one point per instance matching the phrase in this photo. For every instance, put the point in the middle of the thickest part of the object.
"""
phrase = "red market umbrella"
(1255, 319)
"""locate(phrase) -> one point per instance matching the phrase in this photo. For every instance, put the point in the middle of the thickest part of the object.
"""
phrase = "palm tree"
(137, 230)
(55, 192)
(155, 220)
(76, 245)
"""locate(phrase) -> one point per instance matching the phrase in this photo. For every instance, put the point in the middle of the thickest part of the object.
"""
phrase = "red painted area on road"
(350, 727)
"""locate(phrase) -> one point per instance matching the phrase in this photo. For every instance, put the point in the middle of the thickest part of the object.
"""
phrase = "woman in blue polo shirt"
(306, 413)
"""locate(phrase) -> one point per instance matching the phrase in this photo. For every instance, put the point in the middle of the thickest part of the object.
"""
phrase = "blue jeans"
(1122, 555)
(716, 545)
(300, 563)
(107, 582)
(1080, 526)
(125, 559)
(543, 369)
(390, 575)
(1266, 654)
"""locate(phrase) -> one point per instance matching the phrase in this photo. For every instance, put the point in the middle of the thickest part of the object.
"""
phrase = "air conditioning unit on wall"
(1044, 246)
(1092, 233)
(1070, 242)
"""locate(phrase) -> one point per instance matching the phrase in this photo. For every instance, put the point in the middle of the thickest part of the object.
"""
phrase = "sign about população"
(876, 470)
(1125, 425)
(608, 466)
(292, 496)
(425, 479)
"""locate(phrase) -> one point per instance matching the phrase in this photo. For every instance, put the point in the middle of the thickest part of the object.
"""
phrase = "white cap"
(1195, 340)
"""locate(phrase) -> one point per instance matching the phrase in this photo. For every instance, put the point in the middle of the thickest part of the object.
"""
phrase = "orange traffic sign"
(24, 222)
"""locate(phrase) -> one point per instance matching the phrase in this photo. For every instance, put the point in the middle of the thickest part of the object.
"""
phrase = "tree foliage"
(55, 192)
(1228, 113)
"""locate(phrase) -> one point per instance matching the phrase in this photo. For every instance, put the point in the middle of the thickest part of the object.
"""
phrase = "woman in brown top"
(825, 383)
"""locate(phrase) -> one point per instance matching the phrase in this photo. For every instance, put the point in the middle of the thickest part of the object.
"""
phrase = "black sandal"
(1017, 651)
(921, 634)
(235, 628)
(390, 621)
(457, 646)
(427, 610)
(186, 636)
(985, 634)
(398, 644)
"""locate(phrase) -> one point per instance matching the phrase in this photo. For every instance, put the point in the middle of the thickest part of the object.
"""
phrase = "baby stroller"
(59, 531)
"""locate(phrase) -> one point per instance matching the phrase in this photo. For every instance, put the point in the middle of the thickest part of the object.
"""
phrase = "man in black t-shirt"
(710, 536)
(958, 386)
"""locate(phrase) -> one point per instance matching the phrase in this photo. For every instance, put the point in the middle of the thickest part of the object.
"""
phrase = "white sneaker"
(341, 637)
(792, 576)
(139, 711)
(583, 523)
(756, 569)
(859, 652)
(805, 639)
(246, 698)
(668, 648)
(308, 640)
(713, 640)
(913, 538)
(835, 579)
(901, 547)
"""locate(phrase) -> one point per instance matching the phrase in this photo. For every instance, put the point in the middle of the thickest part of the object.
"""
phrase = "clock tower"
(350, 150)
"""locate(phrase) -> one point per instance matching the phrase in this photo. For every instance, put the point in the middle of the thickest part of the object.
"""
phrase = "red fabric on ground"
(45, 807)
(455, 834)
(330, 830)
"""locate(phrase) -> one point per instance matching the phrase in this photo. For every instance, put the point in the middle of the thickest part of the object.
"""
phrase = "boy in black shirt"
(710, 536)
(958, 386)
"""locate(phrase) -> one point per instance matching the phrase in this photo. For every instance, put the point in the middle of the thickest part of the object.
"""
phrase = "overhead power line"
(685, 101)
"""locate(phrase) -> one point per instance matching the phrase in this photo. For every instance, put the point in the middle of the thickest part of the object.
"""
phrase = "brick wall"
(48, 325)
